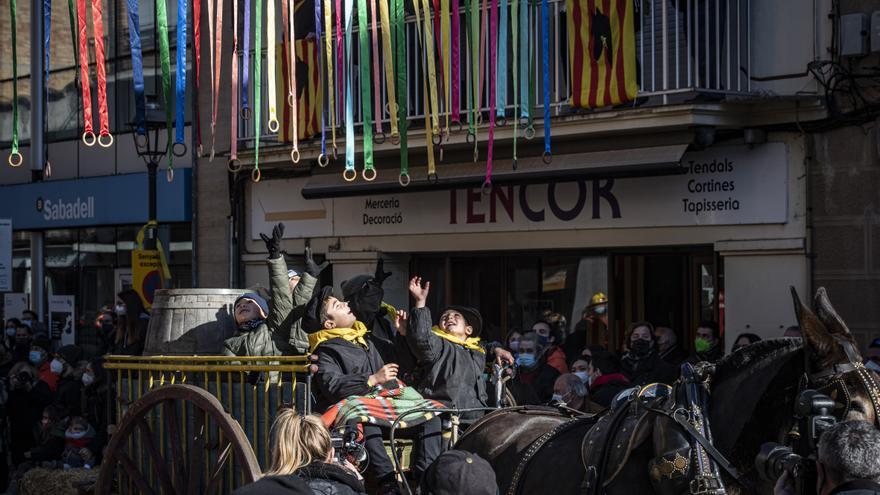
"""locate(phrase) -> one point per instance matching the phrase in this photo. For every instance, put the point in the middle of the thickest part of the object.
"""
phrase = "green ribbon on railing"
(13, 161)
(258, 81)
(364, 64)
(400, 60)
(165, 62)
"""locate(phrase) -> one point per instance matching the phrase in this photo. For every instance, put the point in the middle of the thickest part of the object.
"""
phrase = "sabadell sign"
(726, 185)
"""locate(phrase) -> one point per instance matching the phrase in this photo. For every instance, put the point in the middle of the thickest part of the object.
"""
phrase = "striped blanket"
(382, 406)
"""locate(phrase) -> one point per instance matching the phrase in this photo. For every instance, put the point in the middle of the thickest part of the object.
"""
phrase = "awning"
(630, 162)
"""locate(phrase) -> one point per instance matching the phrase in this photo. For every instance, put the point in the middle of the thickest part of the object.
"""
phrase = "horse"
(753, 393)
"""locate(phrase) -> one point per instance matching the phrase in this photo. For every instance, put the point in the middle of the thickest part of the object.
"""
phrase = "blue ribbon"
(501, 74)
(318, 11)
(545, 47)
(180, 96)
(245, 71)
(137, 66)
(524, 56)
(349, 107)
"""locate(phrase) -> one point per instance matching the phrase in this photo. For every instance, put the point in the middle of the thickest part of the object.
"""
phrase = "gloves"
(273, 244)
(381, 274)
(313, 268)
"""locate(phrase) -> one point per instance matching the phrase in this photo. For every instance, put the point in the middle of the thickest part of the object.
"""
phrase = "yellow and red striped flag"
(602, 52)
(308, 88)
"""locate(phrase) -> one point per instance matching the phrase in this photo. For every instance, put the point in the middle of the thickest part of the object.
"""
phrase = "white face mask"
(88, 379)
(56, 366)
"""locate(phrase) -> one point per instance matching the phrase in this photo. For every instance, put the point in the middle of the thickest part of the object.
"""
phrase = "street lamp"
(148, 148)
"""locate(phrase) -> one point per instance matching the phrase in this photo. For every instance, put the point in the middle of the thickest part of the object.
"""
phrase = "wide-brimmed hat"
(471, 317)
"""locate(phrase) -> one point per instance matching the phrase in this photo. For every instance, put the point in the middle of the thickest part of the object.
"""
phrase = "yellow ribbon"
(432, 70)
(355, 335)
(389, 65)
(472, 343)
(270, 39)
(166, 273)
(328, 48)
(446, 34)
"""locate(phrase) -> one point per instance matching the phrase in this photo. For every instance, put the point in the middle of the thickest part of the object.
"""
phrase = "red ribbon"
(84, 73)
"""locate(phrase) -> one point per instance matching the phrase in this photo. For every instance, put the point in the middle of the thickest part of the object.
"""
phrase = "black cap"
(471, 317)
(456, 471)
(311, 320)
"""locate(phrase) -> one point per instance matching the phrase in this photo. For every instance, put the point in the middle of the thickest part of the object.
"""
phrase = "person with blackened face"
(641, 363)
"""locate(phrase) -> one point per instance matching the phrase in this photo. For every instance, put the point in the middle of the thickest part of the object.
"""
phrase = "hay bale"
(41, 481)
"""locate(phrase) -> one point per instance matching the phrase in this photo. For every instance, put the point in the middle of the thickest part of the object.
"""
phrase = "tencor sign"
(726, 185)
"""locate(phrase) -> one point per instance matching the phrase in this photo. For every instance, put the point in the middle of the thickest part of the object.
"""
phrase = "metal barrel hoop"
(15, 162)
(105, 140)
(401, 181)
(179, 146)
(349, 178)
(370, 178)
(234, 165)
(89, 138)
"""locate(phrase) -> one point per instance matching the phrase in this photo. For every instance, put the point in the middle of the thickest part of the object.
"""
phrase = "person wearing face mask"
(548, 339)
(534, 379)
(642, 364)
(707, 344)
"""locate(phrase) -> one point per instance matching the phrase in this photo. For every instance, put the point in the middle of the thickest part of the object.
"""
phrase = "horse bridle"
(838, 371)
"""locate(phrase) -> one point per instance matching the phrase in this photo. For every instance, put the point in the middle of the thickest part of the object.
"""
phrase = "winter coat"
(290, 484)
(274, 337)
(449, 372)
(648, 369)
(858, 487)
(330, 479)
(604, 388)
(344, 368)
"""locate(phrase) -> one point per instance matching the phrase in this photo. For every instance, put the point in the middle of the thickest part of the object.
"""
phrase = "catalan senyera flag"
(602, 52)
(308, 84)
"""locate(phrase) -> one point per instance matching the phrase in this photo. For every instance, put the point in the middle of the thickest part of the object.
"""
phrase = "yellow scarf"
(355, 335)
(472, 343)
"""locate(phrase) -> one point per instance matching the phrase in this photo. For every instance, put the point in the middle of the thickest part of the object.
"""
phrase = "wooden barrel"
(187, 322)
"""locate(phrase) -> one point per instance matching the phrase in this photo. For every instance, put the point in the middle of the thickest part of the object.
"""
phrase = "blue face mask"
(526, 360)
(35, 357)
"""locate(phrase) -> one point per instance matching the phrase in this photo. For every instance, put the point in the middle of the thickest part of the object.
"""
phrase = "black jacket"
(290, 484)
(343, 369)
(329, 479)
(858, 487)
(448, 372)
(648, 369)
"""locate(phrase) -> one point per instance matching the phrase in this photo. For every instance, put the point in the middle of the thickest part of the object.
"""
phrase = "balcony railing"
(683, 47)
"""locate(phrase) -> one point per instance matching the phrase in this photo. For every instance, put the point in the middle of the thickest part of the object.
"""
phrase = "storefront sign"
(111, 200)
(62, 319)
(725, 185)
(5, 255)
(14, 303)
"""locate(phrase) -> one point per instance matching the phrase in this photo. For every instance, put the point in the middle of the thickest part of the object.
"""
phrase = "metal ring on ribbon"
(377, 139)
(178, 146)
(245, 113)
(433, 178)
(547, 157)
(273, 125)
(233, 165)
(89, 138)
(294, 155)
(530, 132)
(105, 140)
(395, 139)
(256, 174)
(349, 178)
(169, 174)
(401, 181)
(486, 188)
(15, 162)
(323, 160)
(372, 177)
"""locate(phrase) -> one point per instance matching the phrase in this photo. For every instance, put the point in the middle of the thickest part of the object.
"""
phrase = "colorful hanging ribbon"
(165, 63)
(377, 98)
(15, 159)
(258, 84)
(545, 57)
(233, 165)
(331, 92)
(501, 72)
(318, 35)
(245, 66)
(364, 80)
(456, 63)
(137, 66)
(291, 97)
(493, 37)
(388, 60)
(180, 96)
(270, 65)
(197, 45)
(350, 172)
(402, 96)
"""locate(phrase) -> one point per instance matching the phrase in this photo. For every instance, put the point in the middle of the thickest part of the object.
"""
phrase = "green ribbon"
(12, 9)
(258, 76)
(364, 63)
(400, 29)
(165, 62)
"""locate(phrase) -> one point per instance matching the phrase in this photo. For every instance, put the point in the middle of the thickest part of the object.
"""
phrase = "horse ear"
(820, 345)
(834, 323)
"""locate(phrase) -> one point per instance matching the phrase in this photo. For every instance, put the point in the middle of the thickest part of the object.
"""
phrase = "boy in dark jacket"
(348, 364)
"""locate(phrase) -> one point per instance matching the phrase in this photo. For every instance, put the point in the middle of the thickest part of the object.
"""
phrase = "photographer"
(303, 461)
(848, 462)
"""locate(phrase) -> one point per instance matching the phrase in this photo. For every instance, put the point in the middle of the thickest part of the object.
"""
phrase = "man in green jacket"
(274, 329)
